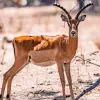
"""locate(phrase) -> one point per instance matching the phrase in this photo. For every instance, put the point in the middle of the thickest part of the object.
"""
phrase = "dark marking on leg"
(7, 96)
(29, 58)
(0, 95)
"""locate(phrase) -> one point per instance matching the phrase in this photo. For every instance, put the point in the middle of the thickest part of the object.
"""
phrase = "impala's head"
(21, 2)
(73, 23)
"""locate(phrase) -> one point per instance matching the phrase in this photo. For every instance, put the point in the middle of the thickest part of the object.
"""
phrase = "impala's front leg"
(68, 74)
(62, 78)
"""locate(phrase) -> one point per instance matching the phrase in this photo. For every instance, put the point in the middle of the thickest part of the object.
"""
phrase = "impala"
(45, 51)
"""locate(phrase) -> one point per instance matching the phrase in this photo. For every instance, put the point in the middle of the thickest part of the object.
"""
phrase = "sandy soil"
(36, 83)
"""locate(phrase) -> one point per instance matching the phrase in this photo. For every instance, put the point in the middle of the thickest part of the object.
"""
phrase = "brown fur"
(41, 42)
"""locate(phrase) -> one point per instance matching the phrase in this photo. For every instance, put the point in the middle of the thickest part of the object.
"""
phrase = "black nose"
(73, 32)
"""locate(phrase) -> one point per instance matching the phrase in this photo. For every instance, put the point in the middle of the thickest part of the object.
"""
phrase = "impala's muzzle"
(73, 33)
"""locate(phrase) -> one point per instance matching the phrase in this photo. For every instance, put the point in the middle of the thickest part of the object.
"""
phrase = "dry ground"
(36, 83)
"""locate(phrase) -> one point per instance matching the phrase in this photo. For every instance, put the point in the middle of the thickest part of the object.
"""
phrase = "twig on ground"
(89, 61)
(97, 83)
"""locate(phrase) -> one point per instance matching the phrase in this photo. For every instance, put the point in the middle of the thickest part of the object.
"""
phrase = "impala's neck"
(72, 45)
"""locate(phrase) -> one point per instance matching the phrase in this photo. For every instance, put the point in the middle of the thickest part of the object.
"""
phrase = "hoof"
(59, 98)
(67, 96)
(1, 96)
(7, 96)
(62, 98)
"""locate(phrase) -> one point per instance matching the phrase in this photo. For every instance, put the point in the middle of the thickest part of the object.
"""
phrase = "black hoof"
(1, 96)
(7, 96)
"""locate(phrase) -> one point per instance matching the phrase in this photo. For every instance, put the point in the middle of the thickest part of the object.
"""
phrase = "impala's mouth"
(73, 35)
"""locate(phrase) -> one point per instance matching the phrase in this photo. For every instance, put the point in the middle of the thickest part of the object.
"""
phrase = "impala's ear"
(82, 18)
(64, 18)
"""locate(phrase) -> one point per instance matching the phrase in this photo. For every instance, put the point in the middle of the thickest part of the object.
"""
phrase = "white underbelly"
(43, 57)
(44, 64)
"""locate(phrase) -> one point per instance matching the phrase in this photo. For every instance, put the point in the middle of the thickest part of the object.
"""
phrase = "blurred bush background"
(38, 17)
(35, 14)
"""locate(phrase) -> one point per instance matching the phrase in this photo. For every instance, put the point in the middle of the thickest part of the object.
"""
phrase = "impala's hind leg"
(3, 87)
(68, 74)
(10, 82)
(23, 62)
(62, 78)
(9, 88)
(5, 79)
(8, 76)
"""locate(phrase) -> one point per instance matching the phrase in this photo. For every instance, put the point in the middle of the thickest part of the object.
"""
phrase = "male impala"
(45, 51)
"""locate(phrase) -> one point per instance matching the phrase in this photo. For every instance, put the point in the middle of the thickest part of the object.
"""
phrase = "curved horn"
(82, 10)
(63, 10)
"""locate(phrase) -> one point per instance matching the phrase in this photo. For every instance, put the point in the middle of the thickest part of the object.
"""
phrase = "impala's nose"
(73, 32)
